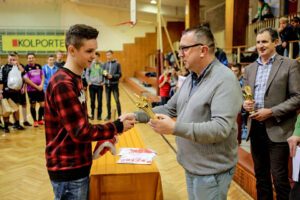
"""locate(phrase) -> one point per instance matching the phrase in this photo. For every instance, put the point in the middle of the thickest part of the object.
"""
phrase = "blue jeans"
(72, 190)
(211, 187)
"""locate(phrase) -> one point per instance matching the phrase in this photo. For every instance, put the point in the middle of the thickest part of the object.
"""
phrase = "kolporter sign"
(33, 42)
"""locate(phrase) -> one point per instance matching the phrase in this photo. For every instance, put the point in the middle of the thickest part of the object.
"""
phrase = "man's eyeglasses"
(185, 48)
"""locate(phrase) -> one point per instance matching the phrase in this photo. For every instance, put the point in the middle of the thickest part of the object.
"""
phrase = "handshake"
(128, 120)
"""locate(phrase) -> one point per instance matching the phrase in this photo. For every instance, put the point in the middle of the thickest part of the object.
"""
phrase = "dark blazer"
(282, 96)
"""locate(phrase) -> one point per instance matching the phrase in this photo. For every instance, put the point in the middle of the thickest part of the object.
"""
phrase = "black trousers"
(295, 192)
(96, 90)
(269, 156)
(114, 88)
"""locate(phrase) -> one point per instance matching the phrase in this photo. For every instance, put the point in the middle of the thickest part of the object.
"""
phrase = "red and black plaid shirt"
(68, 131)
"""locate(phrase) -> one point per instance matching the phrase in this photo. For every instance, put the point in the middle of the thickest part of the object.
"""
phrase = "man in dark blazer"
(275, 83)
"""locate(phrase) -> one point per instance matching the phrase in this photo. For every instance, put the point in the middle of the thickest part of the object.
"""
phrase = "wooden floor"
(23, 173)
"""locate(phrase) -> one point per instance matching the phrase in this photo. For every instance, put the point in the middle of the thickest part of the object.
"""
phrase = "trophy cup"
(247, 93)
(144, 105)
(105, 73)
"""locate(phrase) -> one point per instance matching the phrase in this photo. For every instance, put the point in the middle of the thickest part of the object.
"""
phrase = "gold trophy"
(247, 93)
(143, 104)
(105, 73)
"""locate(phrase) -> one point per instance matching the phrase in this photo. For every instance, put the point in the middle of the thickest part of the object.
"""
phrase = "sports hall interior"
(139, 44)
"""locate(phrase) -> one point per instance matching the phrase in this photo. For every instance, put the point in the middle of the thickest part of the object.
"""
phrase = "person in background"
(48, 70)
(94, 78)
(164, 86)
(287, 34)
(8, 93)
(59, 59)
(296, 25)
(23, 101)
(237, 70)
(111, 80)
(221, 56)
(264, 11)
(174, 80)
(34, 77)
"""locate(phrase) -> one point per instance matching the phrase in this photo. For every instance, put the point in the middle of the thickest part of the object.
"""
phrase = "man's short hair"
(203, 33)
(97, 53)
(237, 65)
(273, 33)
(12, 54)
(263, 1)
(296, 20)
(50, 56)
(30, 53)
(110, 51)
(77, 33)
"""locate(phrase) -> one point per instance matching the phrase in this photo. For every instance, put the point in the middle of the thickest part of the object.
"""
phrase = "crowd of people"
(17, 80)
(32, 79)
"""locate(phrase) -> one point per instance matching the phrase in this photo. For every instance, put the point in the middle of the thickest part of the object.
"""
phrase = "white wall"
(105, 20)
(20, 14)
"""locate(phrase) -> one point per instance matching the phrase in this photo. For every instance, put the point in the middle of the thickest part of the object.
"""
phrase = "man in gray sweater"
(94, 78)
(206, 107)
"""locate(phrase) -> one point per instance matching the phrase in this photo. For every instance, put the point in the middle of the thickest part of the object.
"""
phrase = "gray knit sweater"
(206, 127)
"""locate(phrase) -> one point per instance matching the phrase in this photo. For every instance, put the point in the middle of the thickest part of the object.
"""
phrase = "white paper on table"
(124, 151)
(141, 159)
(296, 164)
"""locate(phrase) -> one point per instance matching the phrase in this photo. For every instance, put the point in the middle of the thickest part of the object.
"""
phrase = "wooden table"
(112, 181)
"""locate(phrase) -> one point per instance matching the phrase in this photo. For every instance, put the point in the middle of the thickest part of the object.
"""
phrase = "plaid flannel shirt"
(68, 131)
(261, 80)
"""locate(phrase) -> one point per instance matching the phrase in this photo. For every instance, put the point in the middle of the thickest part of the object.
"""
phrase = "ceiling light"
(153, 2)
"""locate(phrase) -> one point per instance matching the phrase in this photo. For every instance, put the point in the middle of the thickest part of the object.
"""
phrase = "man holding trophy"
(275, 82)
(206, 107)
(112, 74)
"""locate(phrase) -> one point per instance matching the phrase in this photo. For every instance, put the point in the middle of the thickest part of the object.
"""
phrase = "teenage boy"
(111, 79)
(35, 78)
(8, 93)
(68, 131)
(94, 77)
(48, 70)
(59, 59)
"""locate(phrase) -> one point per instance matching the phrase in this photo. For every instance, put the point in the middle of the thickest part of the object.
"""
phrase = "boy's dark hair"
(296, 20)
(30, 53)
(12, 54)
(110, 51)
(51, 56)
(97, 53)
(77, 33)
(263, 1)
(273, 33)
(237, 65)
